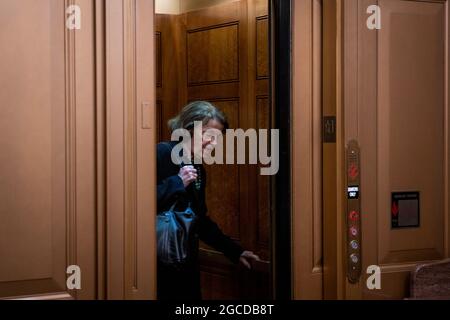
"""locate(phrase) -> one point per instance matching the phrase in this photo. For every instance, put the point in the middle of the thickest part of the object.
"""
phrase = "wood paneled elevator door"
(396, 89)
(47, 144)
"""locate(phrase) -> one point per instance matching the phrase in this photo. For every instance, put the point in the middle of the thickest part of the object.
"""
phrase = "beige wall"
(182, 6)
(167, 6)
(190, 5)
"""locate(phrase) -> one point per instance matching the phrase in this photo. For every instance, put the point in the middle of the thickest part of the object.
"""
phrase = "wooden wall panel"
(48, 134)
(262, 47)
(220, 62)
(131, 169)
(145, 222)
(158, 56)
(216, 275)
(80, 186)
(308, 271)
(406, 148)
(29, 145)
(410, 100)
(214, 15)
(170, 45)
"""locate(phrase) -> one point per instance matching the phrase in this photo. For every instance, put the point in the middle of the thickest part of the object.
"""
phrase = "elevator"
(366, 143)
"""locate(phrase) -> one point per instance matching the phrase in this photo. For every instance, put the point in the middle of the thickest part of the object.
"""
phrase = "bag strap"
(194, 189)
(172, 208)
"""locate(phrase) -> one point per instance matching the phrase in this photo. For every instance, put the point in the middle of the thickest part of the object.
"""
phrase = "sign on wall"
(405, 210)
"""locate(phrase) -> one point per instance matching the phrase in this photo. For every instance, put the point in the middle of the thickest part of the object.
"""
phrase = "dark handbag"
(173, 231)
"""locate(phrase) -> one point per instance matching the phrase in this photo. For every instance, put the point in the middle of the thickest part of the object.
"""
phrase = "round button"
(354, 244)
(353, 231)
(353, 215)
(354, 258)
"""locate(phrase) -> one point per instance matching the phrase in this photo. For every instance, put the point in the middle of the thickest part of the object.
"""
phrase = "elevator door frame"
(280, 95)
(281, 99)
(293, 275)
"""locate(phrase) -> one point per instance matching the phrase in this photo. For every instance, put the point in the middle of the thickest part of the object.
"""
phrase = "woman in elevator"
(184, 186)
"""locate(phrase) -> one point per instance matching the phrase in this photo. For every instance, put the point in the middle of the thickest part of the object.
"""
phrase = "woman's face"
(209, 136)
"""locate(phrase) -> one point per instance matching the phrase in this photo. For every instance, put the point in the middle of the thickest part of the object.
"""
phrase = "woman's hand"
(188, 174)
(247, 257)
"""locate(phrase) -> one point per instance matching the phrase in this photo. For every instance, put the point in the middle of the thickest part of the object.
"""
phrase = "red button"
(353, 171)
(353, 215)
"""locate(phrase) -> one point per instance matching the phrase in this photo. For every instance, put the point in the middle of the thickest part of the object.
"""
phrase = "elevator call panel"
(353, 212)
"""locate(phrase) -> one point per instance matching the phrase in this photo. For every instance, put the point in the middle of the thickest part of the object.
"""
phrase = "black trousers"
(179, 283)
